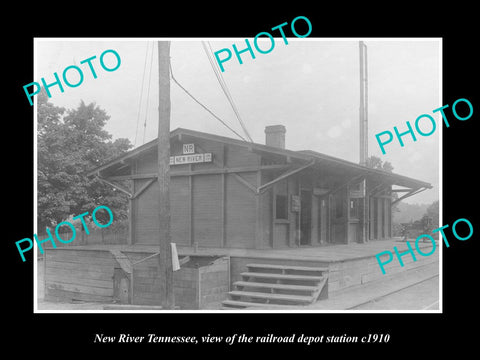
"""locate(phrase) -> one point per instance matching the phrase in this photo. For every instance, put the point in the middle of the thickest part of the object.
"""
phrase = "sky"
(311, 86)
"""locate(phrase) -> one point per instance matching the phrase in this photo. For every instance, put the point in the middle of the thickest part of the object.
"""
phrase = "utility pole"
(364, 136)
(167, 300)
(363, 103)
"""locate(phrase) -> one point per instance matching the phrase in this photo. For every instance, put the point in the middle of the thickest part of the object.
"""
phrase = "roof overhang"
(122, 162)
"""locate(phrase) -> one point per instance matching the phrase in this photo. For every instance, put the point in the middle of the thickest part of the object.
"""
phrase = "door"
(322, 220)
(305, 217)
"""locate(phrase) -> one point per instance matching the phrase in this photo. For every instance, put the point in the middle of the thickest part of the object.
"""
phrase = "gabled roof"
(305, 155)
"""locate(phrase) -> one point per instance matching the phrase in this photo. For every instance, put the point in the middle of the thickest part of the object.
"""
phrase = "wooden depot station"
(266, 213)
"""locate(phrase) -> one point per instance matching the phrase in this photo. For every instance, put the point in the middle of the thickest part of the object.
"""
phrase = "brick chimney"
(275, 136)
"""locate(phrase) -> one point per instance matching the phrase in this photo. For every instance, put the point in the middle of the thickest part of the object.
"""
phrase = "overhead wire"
(141, 95)
(206, 108)
(223, 85)
(148, 94)
(225, 89)
(227, 92)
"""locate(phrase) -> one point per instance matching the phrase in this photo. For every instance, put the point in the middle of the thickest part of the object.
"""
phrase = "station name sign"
(189, 156)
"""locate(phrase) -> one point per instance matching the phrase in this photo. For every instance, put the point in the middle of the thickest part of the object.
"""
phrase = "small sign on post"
(295, 203)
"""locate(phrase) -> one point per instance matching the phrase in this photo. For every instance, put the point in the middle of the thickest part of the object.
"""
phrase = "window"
(281, 207)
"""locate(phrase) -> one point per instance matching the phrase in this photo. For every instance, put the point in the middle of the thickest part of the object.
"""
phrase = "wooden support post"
(347, 214)
(224, 197)
(130, 215)
(259, 215)
(329, 219)
(223, 210)
(366, 218)
(167, 300)
(191, 235)
(364, 213)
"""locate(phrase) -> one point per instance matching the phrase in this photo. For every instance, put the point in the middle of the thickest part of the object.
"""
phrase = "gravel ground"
(422, 296)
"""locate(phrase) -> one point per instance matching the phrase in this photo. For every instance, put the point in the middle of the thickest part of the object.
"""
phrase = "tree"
(69, 144)
(433, 212)
(375, 162)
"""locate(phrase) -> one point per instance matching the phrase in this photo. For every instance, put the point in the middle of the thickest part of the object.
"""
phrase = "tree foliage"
(69, 143)
(433, 212)
(375, 162)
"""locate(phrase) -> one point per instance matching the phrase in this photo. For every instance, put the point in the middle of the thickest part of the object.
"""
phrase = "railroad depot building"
(227, 193)
(251, 223)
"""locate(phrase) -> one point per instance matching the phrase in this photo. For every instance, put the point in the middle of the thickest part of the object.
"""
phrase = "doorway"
(322, 220)
(305, 217)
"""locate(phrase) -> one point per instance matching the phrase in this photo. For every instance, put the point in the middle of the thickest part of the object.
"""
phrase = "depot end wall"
(211, 210)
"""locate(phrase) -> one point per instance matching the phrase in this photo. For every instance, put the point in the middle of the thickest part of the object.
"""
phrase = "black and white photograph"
(280, 195)
(235, 183)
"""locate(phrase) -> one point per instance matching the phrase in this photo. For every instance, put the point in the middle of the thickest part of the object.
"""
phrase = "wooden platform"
(325, 253)
(86, 272)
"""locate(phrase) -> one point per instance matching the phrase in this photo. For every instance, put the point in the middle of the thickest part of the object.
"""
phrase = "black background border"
(65, 334)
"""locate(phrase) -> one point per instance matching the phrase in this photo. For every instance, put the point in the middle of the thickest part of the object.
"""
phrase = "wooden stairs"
(274, 286)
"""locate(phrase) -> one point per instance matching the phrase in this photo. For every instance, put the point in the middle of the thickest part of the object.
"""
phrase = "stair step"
(270, 296)
(243, 304)
(275, 286)
(282, 276)
(287, 267)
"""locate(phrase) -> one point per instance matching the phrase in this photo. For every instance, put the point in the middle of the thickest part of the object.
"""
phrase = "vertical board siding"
(239, 156)
(147, 163)
(180, 210)
(203, 146)
(240, 212)
(207, 210)
(146, 214)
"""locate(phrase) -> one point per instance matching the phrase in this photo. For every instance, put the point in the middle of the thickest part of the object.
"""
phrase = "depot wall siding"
(146, 224)
(207, 219)
(221, 209)
(206, 209)
(241, 215)
(180, 206)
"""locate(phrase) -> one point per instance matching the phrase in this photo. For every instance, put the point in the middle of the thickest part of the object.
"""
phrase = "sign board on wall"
(295, 202)
(188, 149)
(189, 156)
(360, 191)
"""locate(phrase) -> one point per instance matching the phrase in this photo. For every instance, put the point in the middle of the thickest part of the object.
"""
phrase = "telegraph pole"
(364, 136)
(363, 103)
(167, 300)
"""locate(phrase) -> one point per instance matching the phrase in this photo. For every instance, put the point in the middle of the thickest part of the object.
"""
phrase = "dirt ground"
(421, 296)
